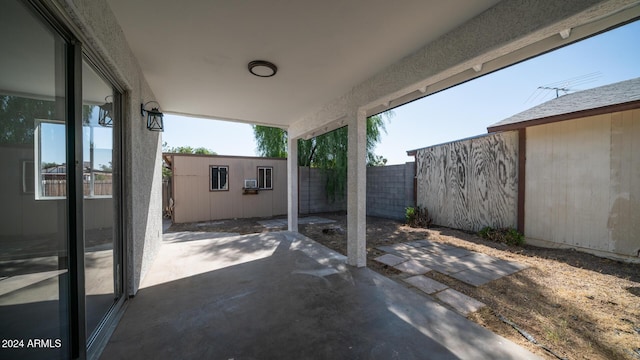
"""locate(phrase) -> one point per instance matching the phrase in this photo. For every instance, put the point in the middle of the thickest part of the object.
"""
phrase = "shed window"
(265, 177)
(219, 177)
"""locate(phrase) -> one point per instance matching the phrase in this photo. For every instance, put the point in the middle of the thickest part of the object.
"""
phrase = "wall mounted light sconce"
(154, 116)
(105, 115)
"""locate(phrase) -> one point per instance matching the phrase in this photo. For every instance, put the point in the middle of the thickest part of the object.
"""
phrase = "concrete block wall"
(389, 191)
(313, 195)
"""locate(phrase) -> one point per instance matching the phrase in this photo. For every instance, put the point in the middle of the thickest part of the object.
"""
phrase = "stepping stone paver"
(481, 258)
(412, 267)
(417, 243)
(470, 267)
(500, 269)
(390, 259)
(510, 265)
(390, 250)
(471, 277)
(457, 252)
(459, 301)
(446, 268)
(439, 267)
(401, 247)
(465, 265)
(426, 284)
(313, 220)
(278, 223)
(430, 245)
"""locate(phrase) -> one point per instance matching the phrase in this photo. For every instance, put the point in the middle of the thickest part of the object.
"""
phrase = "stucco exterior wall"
(193, 201)
(583, 183)
(469, 184)
(142, 208)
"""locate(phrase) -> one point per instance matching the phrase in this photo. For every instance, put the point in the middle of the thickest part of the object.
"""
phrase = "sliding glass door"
(34, 246)
(60, 233)
(102, 260)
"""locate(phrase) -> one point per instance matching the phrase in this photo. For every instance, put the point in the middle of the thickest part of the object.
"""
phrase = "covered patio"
(308, 67)
(323, 66)
(280, 295)
(329, 65)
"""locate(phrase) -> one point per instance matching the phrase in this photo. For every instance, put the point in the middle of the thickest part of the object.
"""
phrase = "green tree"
(327, 151)
(203, 151)
(166, 171)
(106, 168)
(18, 114)
(272, 142)
(187, 150)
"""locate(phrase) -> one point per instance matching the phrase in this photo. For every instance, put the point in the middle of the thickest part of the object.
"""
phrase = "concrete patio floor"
(280, 295)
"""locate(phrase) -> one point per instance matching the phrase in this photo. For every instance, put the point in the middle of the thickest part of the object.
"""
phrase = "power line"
(557, 89)
(566, 86)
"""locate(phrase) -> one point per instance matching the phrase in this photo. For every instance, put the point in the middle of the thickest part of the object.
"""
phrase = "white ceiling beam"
(564, 34)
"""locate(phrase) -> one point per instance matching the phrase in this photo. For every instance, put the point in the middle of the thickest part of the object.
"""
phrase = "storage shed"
(213, 187)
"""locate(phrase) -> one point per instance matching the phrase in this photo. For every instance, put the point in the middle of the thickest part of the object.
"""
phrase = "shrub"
(410, 214)
(507, 236)
(417, 217)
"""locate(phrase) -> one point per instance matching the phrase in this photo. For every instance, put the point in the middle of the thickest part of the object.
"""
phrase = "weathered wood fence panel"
(55, 188)
(471, 183)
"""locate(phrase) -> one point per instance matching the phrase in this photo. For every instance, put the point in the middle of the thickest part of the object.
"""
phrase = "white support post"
(292, 184)
(357, 191)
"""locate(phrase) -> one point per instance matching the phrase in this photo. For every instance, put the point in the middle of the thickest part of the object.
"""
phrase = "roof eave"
(566, 116)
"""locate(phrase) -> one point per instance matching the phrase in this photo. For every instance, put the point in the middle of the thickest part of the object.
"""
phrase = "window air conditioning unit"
(250, 183)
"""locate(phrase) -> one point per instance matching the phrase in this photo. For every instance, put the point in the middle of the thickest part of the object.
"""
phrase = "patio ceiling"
(194, 54)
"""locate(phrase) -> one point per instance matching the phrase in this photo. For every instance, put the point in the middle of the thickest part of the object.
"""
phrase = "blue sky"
(54, 149)
(462, 111)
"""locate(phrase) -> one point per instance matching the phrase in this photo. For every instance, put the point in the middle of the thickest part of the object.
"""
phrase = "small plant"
(417, 217)
(410, 214)
(507, 236)
(484, 232)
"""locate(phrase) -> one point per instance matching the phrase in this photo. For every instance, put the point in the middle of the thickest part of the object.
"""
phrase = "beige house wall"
(193, 201)
(583, 183)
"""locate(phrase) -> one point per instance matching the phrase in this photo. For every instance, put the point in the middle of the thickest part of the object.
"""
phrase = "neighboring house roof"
(619, 96)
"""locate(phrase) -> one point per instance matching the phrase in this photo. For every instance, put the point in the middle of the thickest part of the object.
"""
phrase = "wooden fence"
(57, 188)
(470, 183)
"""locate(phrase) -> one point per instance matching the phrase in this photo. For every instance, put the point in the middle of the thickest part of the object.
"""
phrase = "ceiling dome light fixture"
(262, 68)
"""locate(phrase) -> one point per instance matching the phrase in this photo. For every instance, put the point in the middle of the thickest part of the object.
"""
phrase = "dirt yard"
(576, 305)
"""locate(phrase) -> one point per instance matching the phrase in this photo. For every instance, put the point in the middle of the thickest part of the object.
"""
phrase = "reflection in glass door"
(102, 253)
(34, 237)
